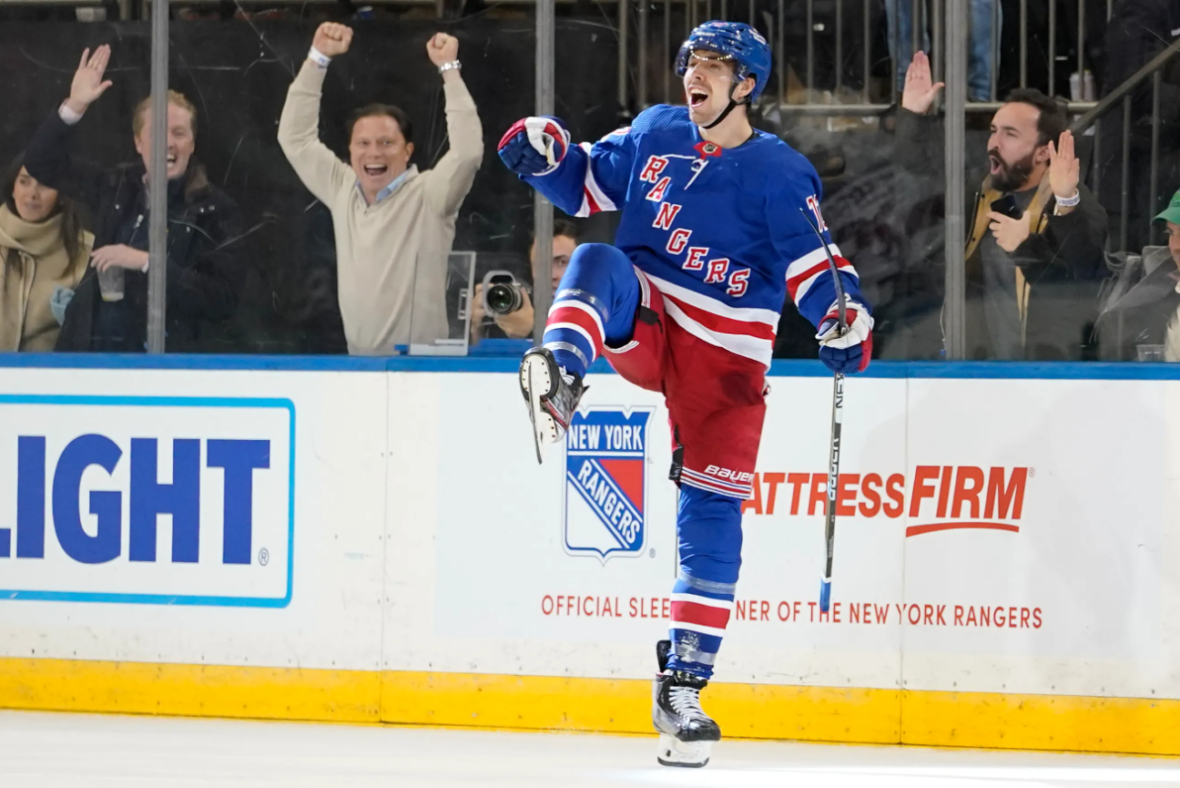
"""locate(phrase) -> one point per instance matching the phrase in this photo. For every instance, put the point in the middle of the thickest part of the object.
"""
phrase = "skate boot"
(686, 732)
(552, 397)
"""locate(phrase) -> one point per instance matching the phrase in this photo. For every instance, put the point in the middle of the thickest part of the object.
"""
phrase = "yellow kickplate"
(757, 711)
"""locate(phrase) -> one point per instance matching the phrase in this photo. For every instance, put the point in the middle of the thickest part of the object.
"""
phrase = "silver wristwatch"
(445, 67)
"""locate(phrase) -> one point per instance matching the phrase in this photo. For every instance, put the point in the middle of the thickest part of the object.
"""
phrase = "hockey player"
(710, 242)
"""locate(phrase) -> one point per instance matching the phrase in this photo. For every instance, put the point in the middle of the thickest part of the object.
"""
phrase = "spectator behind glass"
(1032, 281)
(387, 215)
(519, 324)
(1171, 218)
(43, 255)
(203, 225)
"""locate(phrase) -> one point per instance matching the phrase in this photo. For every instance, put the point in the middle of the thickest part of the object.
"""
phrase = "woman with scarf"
(43, 254)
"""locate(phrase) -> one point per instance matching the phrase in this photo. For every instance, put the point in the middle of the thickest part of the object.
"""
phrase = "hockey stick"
(825, 588)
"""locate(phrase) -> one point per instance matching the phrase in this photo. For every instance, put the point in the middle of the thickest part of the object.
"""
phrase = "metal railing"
(923, 14)
(1122, 96)
(948, 25)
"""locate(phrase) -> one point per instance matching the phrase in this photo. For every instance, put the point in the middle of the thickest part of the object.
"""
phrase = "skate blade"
(535, 380)
(685, 754)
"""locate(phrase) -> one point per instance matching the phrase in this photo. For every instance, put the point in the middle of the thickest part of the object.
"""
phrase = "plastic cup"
(110, 282)
(1150, 352)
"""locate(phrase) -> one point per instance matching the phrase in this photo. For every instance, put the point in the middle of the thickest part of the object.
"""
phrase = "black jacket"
(204, 242)
(1062, 261)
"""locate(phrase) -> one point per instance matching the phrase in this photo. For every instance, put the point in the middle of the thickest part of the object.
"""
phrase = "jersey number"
(813, 204)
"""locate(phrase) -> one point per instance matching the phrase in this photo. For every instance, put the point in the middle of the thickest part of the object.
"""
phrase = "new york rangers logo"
(606, 482)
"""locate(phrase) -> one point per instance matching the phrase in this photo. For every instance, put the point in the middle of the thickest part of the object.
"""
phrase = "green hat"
(1172, 212)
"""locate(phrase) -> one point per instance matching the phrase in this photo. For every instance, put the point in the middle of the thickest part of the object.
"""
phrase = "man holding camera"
(1035, 243)
(394, 225)
(518, 324)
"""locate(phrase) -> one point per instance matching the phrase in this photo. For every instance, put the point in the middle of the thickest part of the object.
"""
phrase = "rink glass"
(43, 44)
(829, 95)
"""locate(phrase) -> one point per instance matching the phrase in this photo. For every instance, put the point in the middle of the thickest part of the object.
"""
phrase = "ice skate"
(686, 732)
(552, 397)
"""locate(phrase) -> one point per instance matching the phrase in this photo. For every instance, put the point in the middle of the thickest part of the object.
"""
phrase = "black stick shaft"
(833, 469)
(837, 415)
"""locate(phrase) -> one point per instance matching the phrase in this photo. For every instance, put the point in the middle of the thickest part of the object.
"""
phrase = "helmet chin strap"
(728, 109)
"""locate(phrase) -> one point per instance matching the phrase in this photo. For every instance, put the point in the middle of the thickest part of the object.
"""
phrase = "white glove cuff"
(542, 142)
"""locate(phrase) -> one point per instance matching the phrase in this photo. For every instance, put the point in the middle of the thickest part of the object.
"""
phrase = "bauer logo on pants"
(606, 482)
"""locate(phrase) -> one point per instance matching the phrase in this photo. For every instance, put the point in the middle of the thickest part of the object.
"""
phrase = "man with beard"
(1032, 276)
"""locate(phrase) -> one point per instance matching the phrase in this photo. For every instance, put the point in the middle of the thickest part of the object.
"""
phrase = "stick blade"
(825, 594)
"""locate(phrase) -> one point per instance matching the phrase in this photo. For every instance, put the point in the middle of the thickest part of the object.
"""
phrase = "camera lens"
(502, 299)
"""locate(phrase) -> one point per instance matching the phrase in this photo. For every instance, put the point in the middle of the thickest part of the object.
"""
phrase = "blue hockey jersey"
(718, 231)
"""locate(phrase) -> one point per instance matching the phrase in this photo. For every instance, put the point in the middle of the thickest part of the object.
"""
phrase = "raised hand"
(442, 48)
(1063, 167)
(332, 39)
(534, 146)
(88, 82)
(919, 91)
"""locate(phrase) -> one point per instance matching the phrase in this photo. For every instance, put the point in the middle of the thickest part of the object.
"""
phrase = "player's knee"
(592, 265)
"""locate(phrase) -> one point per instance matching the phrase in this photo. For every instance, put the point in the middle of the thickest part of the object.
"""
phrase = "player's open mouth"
(996, 164)
(376, 169)
(697, 97)
(171, 159)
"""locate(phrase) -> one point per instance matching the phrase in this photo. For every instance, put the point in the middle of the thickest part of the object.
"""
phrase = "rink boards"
(373, 541)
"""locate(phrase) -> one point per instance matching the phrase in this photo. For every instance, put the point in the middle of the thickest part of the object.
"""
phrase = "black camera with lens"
(502, 293)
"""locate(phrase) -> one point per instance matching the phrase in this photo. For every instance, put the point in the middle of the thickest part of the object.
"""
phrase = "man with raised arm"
(394, 224)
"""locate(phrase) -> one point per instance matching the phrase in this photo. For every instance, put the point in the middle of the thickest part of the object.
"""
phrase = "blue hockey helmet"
(737, 41)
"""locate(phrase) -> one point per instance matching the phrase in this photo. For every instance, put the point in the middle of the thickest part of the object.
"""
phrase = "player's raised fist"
(442, 48)
(850, 351)
(920, 88)
(332, 39)
(534, 146)
(88, 82)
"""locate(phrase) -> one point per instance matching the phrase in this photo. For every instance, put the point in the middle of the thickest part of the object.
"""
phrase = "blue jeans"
(979, 45)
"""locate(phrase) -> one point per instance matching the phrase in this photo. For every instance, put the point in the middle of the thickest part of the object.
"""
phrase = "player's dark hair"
(1052, 120)
(565, 227)
(383, 110)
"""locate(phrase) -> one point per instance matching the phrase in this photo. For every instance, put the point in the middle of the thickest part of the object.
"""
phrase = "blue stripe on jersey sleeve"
(794, 207)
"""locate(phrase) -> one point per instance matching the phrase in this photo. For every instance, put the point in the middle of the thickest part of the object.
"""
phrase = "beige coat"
(33, 264)
(391, 257)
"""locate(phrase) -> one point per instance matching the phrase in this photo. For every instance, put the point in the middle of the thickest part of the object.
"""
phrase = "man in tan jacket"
(1034, 253)
(394, 225)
